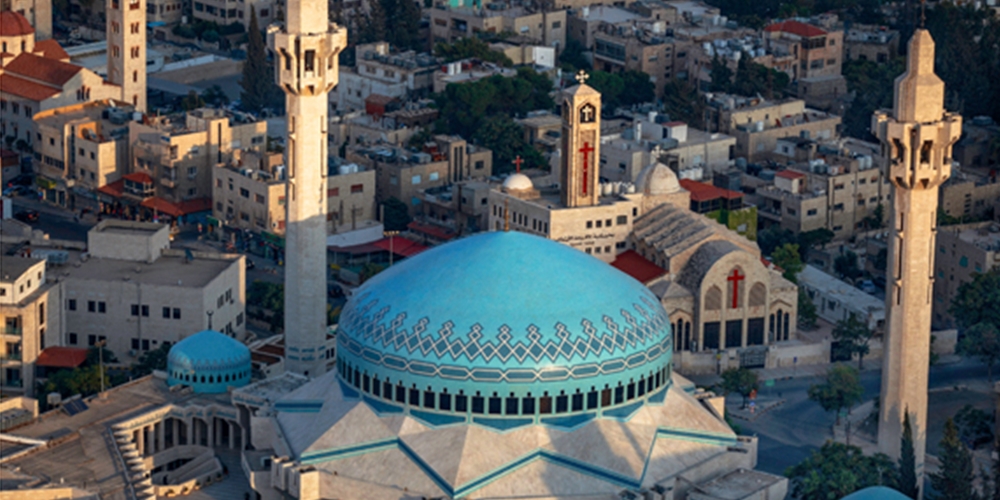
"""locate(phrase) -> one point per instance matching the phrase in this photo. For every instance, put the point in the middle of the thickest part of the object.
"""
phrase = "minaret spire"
(917, 137)
(306, 69)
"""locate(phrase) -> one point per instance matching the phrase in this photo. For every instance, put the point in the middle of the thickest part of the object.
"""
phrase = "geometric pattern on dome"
(476, 344)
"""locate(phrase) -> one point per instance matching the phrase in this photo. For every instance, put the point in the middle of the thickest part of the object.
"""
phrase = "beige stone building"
(37, 12)
(871, 43)
(758, 124)
(224, 13)
(32, 319)
(405, 75)
(818, 54)
(125, 31)
(543, 27)
(969, 196)
(80, 148)
(461, 208)
(351, 198)
(179, 152)
(131, 288)
(250, 193)
(643, 47)
(962, 251)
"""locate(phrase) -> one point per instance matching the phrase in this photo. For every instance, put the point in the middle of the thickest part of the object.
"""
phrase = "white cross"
(582, 76)
(587, 113)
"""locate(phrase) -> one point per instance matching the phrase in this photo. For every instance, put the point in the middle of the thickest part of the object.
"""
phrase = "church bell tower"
(126, 34)
(917, 137)
(581, 144)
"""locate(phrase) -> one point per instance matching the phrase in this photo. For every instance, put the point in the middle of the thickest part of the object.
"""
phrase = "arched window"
(713, 299)
(787, 317)
(758, 294)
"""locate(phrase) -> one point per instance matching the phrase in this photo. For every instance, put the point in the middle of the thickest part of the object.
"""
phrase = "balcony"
(11, 356)
(12, 330)
(169, 182)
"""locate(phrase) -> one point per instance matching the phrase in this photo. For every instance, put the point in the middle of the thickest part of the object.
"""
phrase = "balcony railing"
(12, 330)
(11, 356)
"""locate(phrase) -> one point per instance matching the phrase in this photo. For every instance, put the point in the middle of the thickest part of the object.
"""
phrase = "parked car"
(21, 180)
(17, 191)
(27, 216)
(867, 286)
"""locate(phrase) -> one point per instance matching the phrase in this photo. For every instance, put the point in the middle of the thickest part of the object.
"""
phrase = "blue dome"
(876, 493)
(505, 315)
(209, 362)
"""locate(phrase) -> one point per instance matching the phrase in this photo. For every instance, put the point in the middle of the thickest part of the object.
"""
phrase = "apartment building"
(401, 174)
(467, 71)
(227, 12)
(461, 208)
(80, 148)
(758, 124)
(968, 195)
(642, 47)
(654, 138)
(168, 12)
(29, 309)
(132, 290)
(962, 251)
(351, 192)
(180, 151)
(405, 75)
(540, 27)
(819, 55)
(249, 192)
(865, 42)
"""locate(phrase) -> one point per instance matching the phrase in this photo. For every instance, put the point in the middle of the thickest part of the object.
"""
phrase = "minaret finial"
(210, 319)
(923, 13)
(506, 216)
(582, 76)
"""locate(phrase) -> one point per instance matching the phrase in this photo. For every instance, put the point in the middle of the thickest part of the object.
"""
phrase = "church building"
(721, 297)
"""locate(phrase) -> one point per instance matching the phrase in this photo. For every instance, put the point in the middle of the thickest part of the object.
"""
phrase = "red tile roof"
(195, 205)
(114, 189)
(14, 24)
(42, 69)
(51, 49)
(400, 246)
(796, 28)
(637, 266)
(177, 209)
(432, 231)
(61, 357)
(706, 192)
(140, 177)
(12, 84)
(790, 174)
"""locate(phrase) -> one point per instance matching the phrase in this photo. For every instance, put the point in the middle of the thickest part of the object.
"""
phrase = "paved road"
(790, 432)
(57, 222)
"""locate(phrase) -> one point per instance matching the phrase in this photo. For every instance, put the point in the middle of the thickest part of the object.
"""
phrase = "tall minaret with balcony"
(306, 50)
(917, 137)
(126, 34)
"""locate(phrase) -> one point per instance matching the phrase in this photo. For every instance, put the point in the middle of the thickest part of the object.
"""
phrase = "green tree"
(806, 311)
(877, 219)
(842, 390)
(572, 59)
(788, 259)
(610, 85)
(852, 337)
(974, 425)
(872, 85)
(954, 480)
(640, 88)
(396, 215)
(214, 96)
(721, 75)
(772, 238)
(464, 48)
(403, 24)
(837, 470)
(155, 359)
(84, 381)
(682, 102)
(372, 27)
(907, 481)
(94, 356)
(192, 101)
(816, 238)
(846, 266)
(506, 139)
(258, 79)
(740, 381)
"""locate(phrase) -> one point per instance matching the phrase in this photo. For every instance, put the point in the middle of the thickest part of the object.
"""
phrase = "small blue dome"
(876, 493)
(505, 315)
(209, 362)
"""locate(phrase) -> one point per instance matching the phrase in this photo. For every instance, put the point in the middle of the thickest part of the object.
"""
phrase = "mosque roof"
(503, 305)
(15, 24)
(208, 350)
(876, 493)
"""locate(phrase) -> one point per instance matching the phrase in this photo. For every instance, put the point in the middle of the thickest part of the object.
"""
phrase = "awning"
(45, 183)
(400, 246)
(432, 231)
(635, 265)
(61, 357)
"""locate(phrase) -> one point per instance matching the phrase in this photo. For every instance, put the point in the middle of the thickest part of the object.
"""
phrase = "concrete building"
(250, 193)
(32, 319)
(819, 55)
(466, 71)
(406, 76)
(126, 35)
(917, 137)
(80, 148)
(642, 47)
(539, 27)
(962, 251)
(180, 151)
(461, 208)
(38, 13)
(351, 198)
(307, 48)
(168, 12)
(134, 291)
(225, 13)
(871, 43)
(583, 23)
(978, 146)
(758, 124)
(969, 196)
(402, 174)
(836, 300)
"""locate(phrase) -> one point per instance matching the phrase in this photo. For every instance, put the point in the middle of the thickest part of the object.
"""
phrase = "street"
(57, 222)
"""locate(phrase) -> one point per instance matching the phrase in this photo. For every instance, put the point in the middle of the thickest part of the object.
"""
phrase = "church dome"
(517, 182)
(209, 362)
(15, 24)
(657, 179)
(505, 316)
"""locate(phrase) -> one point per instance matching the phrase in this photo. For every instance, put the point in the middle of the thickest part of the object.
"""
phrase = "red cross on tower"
(586, 150)
(736, 278)
(517, 163)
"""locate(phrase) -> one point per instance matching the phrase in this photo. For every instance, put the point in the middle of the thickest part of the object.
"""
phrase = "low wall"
(212, 472)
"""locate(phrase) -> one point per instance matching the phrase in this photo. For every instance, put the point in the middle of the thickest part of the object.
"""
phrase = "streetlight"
(100, 357)
(392, 238)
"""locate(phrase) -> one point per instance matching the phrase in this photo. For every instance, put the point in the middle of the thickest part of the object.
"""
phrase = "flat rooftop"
(114, 226)
(168, 270)
(607, 14)
(740, 483)
(14, 267)
(831, 286)
(986, 236)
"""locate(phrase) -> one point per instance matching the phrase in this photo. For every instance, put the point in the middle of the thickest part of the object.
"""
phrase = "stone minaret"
(581, 145)
(916, 140)
(306, 50)
(126, 33)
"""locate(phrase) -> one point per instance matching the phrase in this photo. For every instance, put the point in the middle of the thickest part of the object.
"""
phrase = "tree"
(982, 341)
(192, 101)
(84, 381)
(682, 102)
(94, 356)
(741, 381)
(257, 76)
(807, 310)
(572, 58)
(954, 480)
(152, 360)
(721, 75)
(907, 481)
(877, 219)
(215, 96)
(506, 139)
(403, 24)
(772, 238)
(610, 85)
(978, 301)
(816, 238)
(842, 390)
(372, 28)
(852, 337)
(974, 426)
(837, 470)
(396, 215)
(789, 260)
(995, 495)
(846, 266)
(640, 88)
(464, 48)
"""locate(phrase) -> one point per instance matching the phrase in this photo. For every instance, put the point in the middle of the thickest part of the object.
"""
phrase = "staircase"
(135, 470)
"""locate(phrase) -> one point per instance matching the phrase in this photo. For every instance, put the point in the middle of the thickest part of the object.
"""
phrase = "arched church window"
(758, 293)
(777, 325)
(687, 335)
(787, 317)
(713, 299)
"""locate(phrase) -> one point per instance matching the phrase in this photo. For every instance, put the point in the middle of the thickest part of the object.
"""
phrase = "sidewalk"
(804, 371)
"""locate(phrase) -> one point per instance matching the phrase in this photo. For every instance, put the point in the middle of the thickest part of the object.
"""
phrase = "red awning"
(177, 209)
(432, 231)
(706, 192)
(61, 357)
(637, 266)
(400, 246)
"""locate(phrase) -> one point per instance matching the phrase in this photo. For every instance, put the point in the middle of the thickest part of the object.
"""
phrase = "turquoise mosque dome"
(210, 362)
(876, 493)
(505, 325)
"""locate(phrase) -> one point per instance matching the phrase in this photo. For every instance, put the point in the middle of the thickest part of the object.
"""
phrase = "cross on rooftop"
(582, 76)
(517, 163)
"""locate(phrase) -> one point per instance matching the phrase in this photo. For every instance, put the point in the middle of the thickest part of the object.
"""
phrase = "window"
(73, 338)
(556, 25)
(590, 224)
(135, 309)
(964, 261)
(479, 165)
(244, 192)
(333, 192)
(622, 220)
(811, 211)
(177, 313)
(415, 180)
(791, 211)
(433, 176)
(360, 188)
(102, 307)
(71, 304)
(91, 306)
(258, 198)
(91, 340)
(166, 312)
